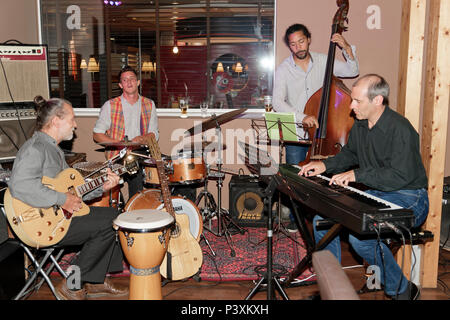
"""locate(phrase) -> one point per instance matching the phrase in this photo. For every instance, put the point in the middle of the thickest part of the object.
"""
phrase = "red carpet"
(249, 263)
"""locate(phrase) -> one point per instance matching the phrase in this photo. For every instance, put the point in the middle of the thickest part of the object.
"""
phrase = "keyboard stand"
(310, 246)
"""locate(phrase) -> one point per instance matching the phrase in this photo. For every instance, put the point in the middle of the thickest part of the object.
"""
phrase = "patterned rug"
(249, 262)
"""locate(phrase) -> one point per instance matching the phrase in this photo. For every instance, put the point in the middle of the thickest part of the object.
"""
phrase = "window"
(214, 50)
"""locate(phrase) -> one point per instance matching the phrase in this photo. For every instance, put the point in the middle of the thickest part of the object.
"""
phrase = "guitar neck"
(97, 182)
(165, 192)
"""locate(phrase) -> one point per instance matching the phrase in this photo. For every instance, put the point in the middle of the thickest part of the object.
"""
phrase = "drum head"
(143, 220)
(182, 206)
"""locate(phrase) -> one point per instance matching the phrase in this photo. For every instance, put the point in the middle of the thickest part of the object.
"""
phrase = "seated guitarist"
(41, 156)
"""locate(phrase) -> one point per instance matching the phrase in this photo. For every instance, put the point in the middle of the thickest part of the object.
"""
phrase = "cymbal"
(205, 145)
(213, 121)
(121, 144)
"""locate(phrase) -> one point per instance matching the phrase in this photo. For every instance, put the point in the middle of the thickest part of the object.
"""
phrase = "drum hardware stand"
(270, 279)
(223, 216)
(207, 210)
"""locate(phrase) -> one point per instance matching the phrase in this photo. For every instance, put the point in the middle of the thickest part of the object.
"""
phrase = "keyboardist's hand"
(312, 169)
(342, 179)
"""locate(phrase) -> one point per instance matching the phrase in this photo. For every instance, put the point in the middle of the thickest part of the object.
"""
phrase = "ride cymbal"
(214, 121)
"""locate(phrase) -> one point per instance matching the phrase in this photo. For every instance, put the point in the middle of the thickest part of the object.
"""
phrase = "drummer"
(129, 116)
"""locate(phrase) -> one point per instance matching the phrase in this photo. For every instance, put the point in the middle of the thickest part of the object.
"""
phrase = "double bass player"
(299, 76)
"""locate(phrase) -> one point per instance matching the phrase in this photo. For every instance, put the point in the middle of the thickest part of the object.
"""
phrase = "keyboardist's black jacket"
(387, 156)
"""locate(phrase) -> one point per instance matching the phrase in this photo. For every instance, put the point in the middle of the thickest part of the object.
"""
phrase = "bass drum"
(152, 199)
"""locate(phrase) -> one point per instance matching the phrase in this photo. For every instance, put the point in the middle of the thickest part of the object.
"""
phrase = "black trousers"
(135, 183)
(100, 252)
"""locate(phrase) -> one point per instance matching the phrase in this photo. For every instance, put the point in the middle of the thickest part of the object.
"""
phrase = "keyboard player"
(383, 148)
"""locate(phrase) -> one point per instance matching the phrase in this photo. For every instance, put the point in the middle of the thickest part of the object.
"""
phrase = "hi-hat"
(121, 144)
(214, 121)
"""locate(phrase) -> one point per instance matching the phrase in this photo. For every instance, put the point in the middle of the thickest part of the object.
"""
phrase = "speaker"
(445, 216)
(246, 201)
(16, 126)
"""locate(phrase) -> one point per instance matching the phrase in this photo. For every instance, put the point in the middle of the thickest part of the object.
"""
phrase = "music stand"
(282, 127)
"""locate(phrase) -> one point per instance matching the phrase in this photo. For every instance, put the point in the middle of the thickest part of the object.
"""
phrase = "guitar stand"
(269, 278)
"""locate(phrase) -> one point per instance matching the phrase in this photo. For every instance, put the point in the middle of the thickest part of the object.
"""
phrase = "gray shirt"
(293, 87)
(40, 156)
(131, 118)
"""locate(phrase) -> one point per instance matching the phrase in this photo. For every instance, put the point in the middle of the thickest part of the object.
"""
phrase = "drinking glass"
(268, 103)
(184, 108)
(204, 109)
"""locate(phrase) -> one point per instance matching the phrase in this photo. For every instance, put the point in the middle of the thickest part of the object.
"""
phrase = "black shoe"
(292, 227)
(412, 292)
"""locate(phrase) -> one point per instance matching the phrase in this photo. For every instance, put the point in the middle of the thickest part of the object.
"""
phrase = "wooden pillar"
(409, 95)
(434, 131)
(411, 60)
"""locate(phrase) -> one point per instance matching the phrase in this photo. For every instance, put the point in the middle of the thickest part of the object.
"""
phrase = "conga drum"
(144, 237)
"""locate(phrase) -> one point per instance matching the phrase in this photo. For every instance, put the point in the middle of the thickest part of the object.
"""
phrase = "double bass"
(330, 104)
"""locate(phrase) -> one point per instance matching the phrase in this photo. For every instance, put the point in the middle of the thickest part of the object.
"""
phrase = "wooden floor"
(205, 290)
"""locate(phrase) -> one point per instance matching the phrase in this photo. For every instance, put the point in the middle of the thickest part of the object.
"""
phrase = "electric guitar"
(43, 227)
(184, 255)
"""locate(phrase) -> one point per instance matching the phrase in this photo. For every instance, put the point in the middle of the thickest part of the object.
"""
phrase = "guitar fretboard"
(165, 192)
(97, 182)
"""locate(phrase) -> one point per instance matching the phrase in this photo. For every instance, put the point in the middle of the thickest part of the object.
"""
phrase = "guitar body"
(43, 227)
(66, 181)
(184, 250)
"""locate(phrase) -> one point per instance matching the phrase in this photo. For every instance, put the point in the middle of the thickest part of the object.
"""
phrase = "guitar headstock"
(340, 18)
(153, 147)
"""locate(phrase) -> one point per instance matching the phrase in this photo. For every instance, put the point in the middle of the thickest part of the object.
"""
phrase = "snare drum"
(152, 199)
(144, 237)
(188, 168)
(104, 201)
(185, 168)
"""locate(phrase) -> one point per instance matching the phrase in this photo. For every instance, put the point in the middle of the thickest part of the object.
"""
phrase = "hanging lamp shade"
(220, 67)
(238, 68)
(93, 65)
(83, 64)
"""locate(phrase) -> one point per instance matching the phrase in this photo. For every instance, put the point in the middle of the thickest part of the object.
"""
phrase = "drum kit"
(144, 228)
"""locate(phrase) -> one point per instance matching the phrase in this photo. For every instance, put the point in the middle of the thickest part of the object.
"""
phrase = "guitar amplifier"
(246, 201)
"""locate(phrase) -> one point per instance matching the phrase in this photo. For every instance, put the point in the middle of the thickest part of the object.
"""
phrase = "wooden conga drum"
(144, 237)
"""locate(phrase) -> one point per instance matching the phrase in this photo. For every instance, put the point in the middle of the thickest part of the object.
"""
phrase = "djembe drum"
(144, 237)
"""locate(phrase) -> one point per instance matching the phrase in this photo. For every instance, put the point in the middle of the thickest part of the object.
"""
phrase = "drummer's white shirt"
(131, 117)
